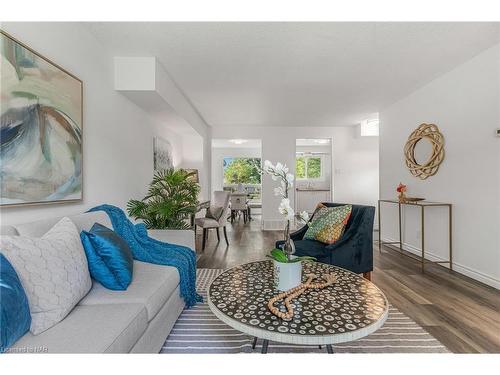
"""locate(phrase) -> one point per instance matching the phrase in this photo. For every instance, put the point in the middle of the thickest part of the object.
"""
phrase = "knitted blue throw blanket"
(147, 249)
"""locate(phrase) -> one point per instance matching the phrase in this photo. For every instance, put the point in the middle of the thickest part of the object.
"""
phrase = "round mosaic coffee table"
(351, 308)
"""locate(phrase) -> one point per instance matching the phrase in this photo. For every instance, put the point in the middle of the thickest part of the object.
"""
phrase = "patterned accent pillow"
(329, 224)
(315, 224)
(53, 271)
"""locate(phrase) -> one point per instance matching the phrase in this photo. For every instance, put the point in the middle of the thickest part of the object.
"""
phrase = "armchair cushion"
(313, 248)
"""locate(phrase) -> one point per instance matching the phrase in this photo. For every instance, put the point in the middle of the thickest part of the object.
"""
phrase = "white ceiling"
(298, 74)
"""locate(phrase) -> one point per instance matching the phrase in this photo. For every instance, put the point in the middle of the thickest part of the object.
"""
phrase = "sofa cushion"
(111, 328)
(177, 236)
(53, 271)
(109, 257)
(151, 286)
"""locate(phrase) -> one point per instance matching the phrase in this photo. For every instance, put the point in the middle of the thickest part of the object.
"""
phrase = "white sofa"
(137, 320)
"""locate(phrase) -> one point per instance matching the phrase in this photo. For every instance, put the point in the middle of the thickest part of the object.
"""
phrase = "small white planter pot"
(287, 275)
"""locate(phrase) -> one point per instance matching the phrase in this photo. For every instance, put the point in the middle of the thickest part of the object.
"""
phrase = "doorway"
(313, 173)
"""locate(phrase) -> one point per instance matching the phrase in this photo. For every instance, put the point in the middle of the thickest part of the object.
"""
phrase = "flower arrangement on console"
(401, 189)
(280, 172)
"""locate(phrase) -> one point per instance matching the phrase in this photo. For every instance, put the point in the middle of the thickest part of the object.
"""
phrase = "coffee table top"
(351, 308)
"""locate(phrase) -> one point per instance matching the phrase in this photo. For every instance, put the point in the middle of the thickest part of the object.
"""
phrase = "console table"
(422, 205)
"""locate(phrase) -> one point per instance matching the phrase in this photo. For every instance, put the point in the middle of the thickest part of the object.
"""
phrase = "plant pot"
(287, 275)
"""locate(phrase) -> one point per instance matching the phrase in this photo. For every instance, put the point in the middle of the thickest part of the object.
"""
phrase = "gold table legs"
(422, 231)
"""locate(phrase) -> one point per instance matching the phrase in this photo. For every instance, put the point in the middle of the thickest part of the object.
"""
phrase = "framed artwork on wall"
(41, 120)
(162, 154)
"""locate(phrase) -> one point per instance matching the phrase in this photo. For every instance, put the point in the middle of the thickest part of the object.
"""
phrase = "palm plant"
(171, 199)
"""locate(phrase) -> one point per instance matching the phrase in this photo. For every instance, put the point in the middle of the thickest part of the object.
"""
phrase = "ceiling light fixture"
(238, 141)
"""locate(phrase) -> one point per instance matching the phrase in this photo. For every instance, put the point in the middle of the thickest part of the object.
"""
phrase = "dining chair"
(239, 204)
(221, 199)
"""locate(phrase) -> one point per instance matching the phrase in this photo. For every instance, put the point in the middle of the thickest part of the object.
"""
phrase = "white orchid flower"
(278, 191)
(284, 206)
(281, 169)
(304, 216)
(268, 166)
(285, 209)
(290, 178)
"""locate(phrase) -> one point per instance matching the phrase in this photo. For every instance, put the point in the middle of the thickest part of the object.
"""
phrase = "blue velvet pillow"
(109, 257)
(15, 317)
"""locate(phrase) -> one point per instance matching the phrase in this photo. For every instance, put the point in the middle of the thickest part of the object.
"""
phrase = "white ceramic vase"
(287, 275)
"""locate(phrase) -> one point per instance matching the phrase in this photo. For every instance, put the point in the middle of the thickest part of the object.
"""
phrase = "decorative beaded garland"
(430, 167)
(351, 303)
(294, 293)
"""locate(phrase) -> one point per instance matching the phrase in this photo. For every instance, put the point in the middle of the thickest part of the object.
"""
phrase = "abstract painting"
(40, 128)
(162, 154)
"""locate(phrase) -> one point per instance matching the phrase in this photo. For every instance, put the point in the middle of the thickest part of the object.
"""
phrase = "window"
(241, 171)
(370, 128)
(308, 167)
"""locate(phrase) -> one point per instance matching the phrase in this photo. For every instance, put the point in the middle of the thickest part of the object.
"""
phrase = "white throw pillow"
(53, 271)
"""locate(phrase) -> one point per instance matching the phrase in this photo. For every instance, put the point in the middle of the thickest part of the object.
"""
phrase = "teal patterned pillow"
(328, 223)
(316, 223)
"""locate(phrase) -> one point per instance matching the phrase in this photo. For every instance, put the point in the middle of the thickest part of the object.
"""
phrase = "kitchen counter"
(300, 189)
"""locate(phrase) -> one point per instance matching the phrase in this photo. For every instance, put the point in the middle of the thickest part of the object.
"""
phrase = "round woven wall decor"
(431, 133)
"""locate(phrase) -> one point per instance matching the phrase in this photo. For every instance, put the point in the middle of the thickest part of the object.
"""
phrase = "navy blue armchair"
(353, 251)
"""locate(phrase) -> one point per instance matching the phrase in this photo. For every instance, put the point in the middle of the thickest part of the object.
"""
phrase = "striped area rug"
(199, 331)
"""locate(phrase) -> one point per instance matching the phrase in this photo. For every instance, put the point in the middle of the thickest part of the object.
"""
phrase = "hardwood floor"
(460, 312)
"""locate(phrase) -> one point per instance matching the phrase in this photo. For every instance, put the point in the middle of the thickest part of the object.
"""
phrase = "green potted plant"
(287, 267)
(171, 200)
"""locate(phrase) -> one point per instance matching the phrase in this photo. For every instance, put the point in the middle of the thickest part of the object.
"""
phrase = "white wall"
(117, 135)
(218, 155)
(145, 82)
(465, 105)
(195, 156)
(355, 162)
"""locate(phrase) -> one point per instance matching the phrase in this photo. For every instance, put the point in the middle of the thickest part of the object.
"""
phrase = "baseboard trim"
(460, 268)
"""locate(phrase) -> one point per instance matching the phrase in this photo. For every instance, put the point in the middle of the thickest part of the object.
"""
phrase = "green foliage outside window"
(308, 167)
(242, 170)
(313, 167)
(300, 167)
